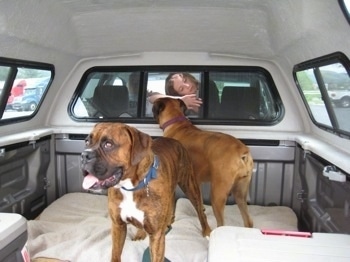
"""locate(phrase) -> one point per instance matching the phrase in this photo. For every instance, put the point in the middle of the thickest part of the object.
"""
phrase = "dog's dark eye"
(88, 139)
(108, 145)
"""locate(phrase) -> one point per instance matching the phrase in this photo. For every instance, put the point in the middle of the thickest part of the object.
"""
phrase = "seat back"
(110, 101)
(240, 102)
(213, 101)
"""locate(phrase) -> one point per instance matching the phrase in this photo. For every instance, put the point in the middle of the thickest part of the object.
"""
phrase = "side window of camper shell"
(23, 85)
(324, 84)
(230, 95)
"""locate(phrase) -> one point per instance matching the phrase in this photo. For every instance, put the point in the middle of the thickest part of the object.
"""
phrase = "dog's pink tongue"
(89, 181)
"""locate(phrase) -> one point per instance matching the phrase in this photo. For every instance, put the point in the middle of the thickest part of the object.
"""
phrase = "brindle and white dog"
(141, 175)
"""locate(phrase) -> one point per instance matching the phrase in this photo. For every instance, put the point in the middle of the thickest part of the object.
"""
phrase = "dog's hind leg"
(240, 191)
(193, 192)
(218, 197)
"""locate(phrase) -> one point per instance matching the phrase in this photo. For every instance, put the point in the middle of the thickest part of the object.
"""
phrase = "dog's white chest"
(128, 207)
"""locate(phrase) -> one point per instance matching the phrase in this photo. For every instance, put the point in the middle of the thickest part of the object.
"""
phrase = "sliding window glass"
(245, 95)
(107, 94)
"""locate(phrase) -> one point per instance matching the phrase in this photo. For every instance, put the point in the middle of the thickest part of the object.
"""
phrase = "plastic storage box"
(13, 236)
(251, 244)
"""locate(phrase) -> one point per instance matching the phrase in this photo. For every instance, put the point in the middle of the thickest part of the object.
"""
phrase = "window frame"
(14, 65)
(315, 64)
(204, 71)
(345, 10)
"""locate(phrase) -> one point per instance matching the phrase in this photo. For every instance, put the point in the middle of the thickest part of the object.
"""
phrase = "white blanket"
(76, 228)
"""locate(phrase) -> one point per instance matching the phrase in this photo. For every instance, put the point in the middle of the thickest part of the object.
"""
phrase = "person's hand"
(192, 102)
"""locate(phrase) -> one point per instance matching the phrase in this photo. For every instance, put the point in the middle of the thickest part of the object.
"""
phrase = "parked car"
(340, 97)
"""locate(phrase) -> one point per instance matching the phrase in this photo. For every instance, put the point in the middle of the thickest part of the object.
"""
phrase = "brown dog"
(219, 158)
(141, 175)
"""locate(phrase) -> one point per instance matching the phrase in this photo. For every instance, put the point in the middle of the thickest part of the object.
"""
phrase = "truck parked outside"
(31, 95)
(16, 91)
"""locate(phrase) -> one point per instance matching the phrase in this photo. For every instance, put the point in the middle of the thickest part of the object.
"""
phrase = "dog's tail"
(248, 163)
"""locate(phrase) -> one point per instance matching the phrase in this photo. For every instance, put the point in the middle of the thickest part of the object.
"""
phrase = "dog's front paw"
(140, 235)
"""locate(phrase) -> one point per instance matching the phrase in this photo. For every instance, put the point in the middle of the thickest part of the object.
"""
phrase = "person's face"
(183, 86)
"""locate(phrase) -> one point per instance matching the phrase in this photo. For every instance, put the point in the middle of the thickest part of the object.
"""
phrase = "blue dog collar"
(152, 174)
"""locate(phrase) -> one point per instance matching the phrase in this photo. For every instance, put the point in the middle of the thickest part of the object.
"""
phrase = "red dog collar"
(172, 121)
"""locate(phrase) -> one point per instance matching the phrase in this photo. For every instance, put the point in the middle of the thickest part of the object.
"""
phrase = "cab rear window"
(242, 95)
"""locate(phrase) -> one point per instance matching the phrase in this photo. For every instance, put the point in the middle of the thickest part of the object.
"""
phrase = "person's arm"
(191, 101)
(154, 95)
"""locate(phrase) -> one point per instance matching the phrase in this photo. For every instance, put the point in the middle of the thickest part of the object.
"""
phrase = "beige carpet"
(76, 228)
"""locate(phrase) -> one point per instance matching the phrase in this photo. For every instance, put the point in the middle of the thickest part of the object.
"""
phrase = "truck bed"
(63, 230)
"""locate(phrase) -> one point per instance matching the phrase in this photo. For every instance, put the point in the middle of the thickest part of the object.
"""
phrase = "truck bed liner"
(76, 227)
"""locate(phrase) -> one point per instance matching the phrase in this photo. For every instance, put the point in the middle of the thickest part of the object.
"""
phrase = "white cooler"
(13, 236)
(239, 244)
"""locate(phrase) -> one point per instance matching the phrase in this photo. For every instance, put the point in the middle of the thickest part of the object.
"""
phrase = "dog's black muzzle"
(88, 156)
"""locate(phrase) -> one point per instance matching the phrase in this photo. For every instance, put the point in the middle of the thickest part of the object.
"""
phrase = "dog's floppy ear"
(141, 142)
(158, 107)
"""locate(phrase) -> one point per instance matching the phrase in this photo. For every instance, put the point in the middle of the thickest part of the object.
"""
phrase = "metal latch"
(33, 143)
(47, 183)
(302, 195)
(33, 139)
(306, 152)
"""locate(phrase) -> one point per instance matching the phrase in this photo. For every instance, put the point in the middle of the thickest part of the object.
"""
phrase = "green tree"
(4, 70)
(24, 73)
(304, 81)
(32, 73)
